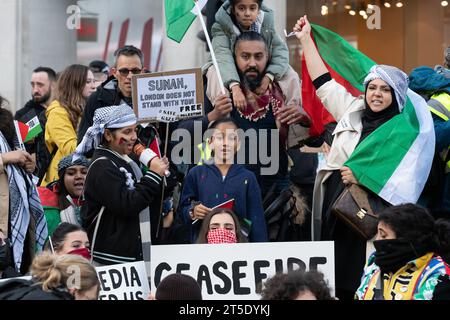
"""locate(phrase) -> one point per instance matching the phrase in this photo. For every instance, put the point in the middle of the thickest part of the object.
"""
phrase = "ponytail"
(54, 271)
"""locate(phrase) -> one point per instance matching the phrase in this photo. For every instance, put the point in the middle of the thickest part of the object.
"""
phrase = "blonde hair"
(55, 271)
(69, 91)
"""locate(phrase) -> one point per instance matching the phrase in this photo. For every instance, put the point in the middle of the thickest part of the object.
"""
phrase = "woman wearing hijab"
(385, 97)
(117, 195)
(406, 264)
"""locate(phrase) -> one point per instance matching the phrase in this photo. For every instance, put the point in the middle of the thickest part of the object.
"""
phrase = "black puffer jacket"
(21, 289)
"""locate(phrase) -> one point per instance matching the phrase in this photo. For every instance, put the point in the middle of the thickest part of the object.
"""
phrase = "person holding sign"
(219, 180)
(117, 196)
(221, 226)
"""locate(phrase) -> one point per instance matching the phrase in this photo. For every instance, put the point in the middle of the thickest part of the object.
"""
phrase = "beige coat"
(347, 110)
(4, 199)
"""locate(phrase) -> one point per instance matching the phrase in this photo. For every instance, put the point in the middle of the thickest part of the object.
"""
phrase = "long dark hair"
(203, 233)
(7, 123)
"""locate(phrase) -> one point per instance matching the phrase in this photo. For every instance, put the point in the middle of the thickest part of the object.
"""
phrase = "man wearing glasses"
(117, 89)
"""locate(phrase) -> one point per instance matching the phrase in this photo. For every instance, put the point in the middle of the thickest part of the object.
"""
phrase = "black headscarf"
(372, 120)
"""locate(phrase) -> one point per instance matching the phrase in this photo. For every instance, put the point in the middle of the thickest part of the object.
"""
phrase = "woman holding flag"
(381, 141)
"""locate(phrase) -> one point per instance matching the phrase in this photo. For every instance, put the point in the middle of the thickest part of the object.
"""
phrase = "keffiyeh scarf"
(257, 106)
(24, 205)
(397, 79)
(112, 117)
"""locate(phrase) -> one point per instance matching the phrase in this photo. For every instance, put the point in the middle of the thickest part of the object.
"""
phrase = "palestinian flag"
(179, 16)
(225, 205)
(395, 160)
(29, 130)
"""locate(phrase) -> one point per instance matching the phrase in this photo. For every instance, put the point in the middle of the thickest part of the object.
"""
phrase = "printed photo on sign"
(168, 96)
(238, 271)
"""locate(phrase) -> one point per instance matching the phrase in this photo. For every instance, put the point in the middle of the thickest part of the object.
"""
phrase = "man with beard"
(263, 115)
(42, 86)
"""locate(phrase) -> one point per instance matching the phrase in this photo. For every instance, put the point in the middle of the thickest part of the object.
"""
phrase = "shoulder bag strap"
(99, 215)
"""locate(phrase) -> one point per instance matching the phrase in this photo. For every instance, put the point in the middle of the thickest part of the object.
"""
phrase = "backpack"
(43, 156)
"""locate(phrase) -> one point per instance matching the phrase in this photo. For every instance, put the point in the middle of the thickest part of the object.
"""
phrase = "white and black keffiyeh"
(24, 205)
(394, 77)
(108, 117)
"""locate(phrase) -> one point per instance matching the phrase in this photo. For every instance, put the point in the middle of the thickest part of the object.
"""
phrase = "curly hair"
(287, 286)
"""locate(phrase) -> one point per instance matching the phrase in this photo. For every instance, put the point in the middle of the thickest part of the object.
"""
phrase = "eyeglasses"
(125, 72)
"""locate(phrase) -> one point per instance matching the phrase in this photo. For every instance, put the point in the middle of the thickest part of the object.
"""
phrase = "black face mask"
(393, 254)
(5, 255)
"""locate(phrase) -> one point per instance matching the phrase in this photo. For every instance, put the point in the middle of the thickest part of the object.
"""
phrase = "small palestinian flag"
(225, 205)
(29, 130)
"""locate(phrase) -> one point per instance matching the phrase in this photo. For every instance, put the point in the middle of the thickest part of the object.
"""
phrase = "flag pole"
(164, 180)
(211, 50)
(19, 136)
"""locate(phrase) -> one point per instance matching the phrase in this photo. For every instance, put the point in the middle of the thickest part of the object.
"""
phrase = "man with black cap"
(100, 69)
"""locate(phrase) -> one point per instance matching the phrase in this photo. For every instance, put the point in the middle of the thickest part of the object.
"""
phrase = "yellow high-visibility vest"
(439, 104)
(205, 152)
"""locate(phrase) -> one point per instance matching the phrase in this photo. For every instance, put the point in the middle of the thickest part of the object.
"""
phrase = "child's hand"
(238, 97)
(265, 83)
(222, 108)
(200, 211)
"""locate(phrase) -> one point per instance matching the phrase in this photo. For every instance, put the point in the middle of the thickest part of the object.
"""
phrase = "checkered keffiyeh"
(68, 161)
(108, 117)
(221, 235)
(396, 78)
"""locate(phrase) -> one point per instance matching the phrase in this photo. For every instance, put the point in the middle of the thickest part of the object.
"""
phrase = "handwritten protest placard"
(126, 281)
(168, 96)
(237, 271)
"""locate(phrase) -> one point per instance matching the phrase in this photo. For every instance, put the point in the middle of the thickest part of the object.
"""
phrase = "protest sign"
(126, 281)
(168, 96)
(237, 271)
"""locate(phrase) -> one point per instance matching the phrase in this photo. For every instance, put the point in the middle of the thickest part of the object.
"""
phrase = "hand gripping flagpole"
(211, 50)
(164, 182)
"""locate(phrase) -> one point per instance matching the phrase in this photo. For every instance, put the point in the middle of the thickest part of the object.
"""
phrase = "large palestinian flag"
(179, 16)
(395, 160)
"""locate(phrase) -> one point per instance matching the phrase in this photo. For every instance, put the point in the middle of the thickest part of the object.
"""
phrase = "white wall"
(33, 34)
(8, 54)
